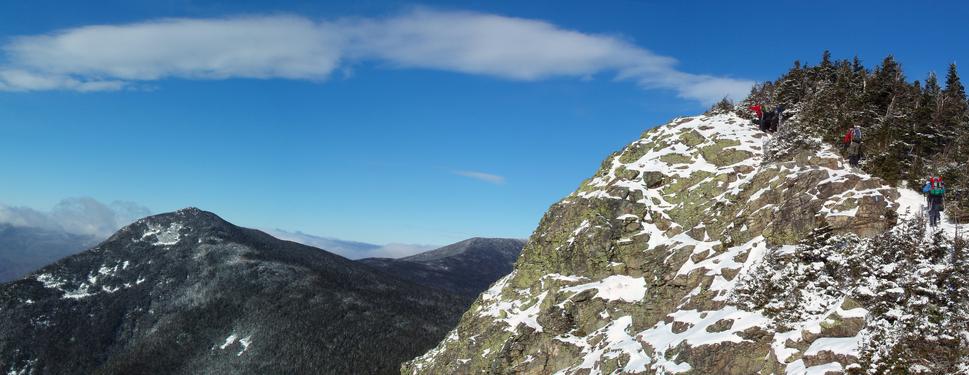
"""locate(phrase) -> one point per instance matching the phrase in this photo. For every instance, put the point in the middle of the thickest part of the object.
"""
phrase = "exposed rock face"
(638, 270)
(188, 293)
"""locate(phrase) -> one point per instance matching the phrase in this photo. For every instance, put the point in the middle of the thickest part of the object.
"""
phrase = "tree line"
(912, 129)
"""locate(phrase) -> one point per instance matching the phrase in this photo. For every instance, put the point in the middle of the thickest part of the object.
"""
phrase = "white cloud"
(25, 217)
(481, 176)
(476, 43)
(109, 57)
(85, 216)
(252, 47)
(23, 80)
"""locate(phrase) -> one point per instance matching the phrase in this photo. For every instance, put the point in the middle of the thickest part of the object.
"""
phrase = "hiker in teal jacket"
(935, 194)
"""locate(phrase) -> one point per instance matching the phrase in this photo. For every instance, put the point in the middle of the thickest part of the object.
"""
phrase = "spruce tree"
(790, 89)
(927, 139)
(823, 99)
(826, 71)
(857, 66)
(932, 93)
(844, 92)
(884, 84)
(911, 130)
(859, 110)
(953, 108)
(954, 90)
(892, 100)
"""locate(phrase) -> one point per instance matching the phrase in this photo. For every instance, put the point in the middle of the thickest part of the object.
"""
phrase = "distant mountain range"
(351, 249)
(24, 249)
(28, 246)
(466, 268)
(30, 238)
(189, 293)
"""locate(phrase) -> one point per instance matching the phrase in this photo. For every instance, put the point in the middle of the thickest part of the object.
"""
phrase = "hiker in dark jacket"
(768, 120)
(936, 201)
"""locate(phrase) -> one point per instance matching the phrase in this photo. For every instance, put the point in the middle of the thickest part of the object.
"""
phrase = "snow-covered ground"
(913, 205)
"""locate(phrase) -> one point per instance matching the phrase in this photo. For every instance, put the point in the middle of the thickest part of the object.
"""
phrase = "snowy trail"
(912, 204)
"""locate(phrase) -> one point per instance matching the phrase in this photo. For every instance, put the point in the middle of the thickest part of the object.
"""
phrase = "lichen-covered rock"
(637, 271)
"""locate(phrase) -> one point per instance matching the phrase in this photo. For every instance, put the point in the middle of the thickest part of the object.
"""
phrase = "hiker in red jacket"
(852, 143)
(757, 110)
(760, 115)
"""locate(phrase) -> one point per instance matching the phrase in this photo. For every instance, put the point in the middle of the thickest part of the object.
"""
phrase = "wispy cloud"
(110, 57)
(481, 176)
(76, 215)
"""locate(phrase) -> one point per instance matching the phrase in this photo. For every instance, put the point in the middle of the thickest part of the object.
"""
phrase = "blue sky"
(374, 120)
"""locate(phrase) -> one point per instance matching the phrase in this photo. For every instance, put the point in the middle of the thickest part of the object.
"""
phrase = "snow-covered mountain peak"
(187, 292)
(171, 228)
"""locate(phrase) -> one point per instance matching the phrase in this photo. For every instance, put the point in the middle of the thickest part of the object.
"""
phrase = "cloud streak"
(481, 176)
(112, 57)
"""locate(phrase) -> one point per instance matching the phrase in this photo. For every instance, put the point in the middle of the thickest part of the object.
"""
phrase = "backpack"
(938, 187)
(765, 125)
(856, 135)
(854, 149)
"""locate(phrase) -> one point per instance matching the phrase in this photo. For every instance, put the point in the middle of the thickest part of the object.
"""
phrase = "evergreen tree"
(824, 97)
(844, 89)
(826, 71)
(954, 90)
(856, 66)
(858, 110)
(791, 88)
(911, 130)
(929, 136)
(953, 108)
(926, 137)
(826, 59)
(884, 84)
(893, 101)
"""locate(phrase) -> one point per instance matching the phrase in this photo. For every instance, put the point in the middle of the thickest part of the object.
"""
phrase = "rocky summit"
(709, 247)
(189, 293)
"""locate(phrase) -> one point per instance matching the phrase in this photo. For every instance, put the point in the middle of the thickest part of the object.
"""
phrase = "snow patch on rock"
(96, 282)
(615, 288)
(164, 235)
(611, 341)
